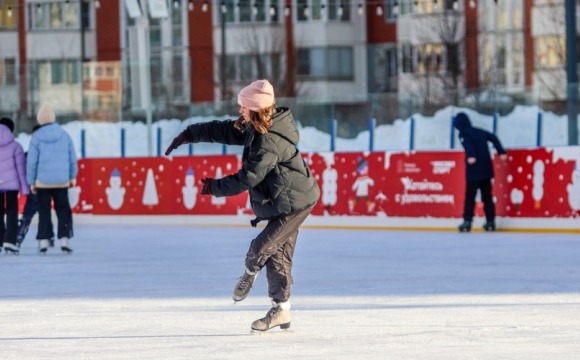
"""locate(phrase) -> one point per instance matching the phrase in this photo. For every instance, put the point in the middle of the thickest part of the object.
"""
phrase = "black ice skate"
(244, 285)
(489, 226)
(21, 232)
(11, 249)
(278, 315)
(465, 226)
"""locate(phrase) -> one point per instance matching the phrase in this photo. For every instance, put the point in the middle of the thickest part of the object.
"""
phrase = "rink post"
(122, 142)
(333, 126)
(452, 133)
(158, 141)
(83, 144)
(372, 126)
(539, 129)
(412, 134)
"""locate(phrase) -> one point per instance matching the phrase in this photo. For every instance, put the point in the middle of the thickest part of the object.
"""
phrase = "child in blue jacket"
(51, 168)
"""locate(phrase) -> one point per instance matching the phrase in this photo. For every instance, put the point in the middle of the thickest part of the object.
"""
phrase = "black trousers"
(63, 213)
(484, 186)
(8, 210)
(274, 248)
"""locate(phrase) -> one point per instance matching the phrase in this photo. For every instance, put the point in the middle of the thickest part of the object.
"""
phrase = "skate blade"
(272, 331)
(282, 328)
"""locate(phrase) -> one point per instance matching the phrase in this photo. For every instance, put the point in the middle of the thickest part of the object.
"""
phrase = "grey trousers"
(274, 248)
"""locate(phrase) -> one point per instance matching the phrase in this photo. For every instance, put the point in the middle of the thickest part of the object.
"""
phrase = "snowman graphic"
(115, 193)
(74, 194)
(189, 191)
(218, 201)
(361, 187)
(329, 183)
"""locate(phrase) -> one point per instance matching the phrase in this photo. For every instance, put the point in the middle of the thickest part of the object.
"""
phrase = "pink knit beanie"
(257, 95)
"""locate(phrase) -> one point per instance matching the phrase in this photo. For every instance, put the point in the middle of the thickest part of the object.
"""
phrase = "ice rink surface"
(164, 292)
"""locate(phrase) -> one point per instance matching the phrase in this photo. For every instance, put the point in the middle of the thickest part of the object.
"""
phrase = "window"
(177, 23)
(231, 67)
(383, 72)
(334, 63)
(501, 38)
(550, 51)
(407, 58)
(8, 14)
(259, 10)
(64, 72)
(178, 76)
(246, 68)
(453, 66)
(56, 15)
(155, 33)
(390, 13)
(429, 58)
(244, 10)
(339, 10)
(8, 71)
(406, 7)
(247, 11)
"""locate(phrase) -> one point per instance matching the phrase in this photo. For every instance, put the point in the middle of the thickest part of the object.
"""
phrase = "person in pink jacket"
(12, 181)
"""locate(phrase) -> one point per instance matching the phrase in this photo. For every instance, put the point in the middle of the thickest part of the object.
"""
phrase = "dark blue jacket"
(474, 141)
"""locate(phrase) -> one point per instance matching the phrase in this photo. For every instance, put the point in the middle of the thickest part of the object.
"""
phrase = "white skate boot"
(278, 315)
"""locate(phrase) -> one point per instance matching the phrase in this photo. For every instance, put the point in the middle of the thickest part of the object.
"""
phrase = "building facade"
(104, 58)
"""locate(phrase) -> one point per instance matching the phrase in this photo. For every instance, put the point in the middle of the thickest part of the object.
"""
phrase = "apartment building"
(336, 50)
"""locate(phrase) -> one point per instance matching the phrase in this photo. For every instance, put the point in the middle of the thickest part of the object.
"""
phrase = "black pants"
(63, 213)
(484, 186)
(8, 209)
(274, 248)
(30, 208)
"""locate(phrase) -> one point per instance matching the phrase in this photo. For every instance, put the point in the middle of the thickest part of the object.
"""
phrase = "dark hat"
(8, 122)
(461, 121)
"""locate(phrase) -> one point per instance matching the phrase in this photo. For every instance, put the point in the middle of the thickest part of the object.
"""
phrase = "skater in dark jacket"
(282, 189)
(478, 170)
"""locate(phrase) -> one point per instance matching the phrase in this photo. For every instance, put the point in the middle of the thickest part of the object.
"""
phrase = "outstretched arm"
(223, 132)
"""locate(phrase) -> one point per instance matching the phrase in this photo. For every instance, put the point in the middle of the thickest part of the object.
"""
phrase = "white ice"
(164, 292)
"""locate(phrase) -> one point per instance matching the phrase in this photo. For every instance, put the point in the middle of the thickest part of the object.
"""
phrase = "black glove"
(184, 137)
(206, 189)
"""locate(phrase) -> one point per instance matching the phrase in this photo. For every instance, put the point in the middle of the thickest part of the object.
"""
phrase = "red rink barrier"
(534, 188)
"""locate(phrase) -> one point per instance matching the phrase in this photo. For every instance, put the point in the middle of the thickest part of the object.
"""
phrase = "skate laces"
(245, 281)
(271, 314)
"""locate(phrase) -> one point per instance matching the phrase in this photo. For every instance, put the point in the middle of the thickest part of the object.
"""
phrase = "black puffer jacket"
(279, 180)
(475, 142)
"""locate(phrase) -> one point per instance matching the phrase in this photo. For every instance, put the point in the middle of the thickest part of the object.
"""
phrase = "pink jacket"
(12, 163)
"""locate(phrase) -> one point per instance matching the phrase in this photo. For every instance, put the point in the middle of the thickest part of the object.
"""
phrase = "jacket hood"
(461, 121)
(49, 133)
(283, 125)
(6, 136)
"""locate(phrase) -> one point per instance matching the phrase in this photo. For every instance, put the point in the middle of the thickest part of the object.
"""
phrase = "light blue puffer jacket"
(52, 160)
